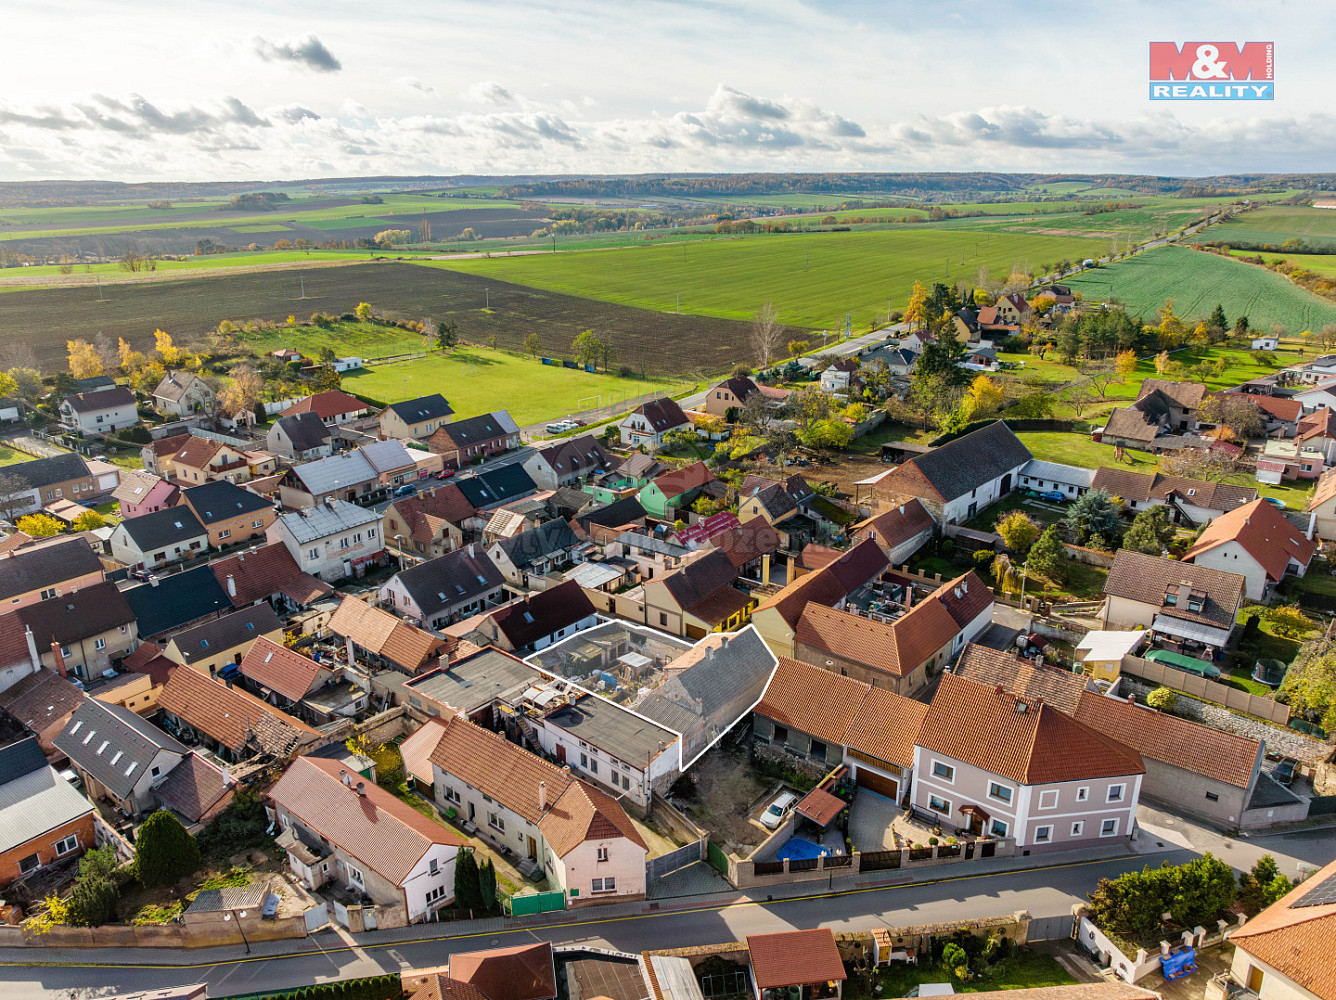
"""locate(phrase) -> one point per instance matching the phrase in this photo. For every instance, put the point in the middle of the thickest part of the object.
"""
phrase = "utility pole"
(487, 297)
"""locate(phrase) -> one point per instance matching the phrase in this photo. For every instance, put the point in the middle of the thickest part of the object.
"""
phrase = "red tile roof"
(147, 658)
(385, 635)
(895, 526)
(326, 405)
(274, 666)
(524, 972)
(584, 813)
(830, 584)
(1292, 938)
(1263, 532)
(678, 481)
(1060, 688)
(230, 715)
(264, 571)
(795, 958)
(819, 806)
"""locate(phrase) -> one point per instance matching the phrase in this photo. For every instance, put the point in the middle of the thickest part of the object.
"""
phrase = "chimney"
(228, 780)
(1131, 699)
(542, 796)
(231, 586)
(60, 659)
(471, 550)
(343, 776)
(32, 648)
(998, 689)
(361, 788)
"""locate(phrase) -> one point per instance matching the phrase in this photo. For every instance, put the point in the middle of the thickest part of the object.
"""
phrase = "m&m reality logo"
(1212, 71)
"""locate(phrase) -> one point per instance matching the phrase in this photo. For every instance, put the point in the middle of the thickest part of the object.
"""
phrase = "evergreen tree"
(93, 902)
(487, 884)
(1150, 531)
(1048, 557)
(1093, 514)
(1241, 326)
(1217, 320)
(466, 881)
(1262, 886)
(165, 850)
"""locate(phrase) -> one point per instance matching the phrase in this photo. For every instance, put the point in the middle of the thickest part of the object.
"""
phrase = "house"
(42, 818)
(540, 619)
(236, 725)
(1161, 407)
(157, 455)
(58, 477)
(536, 552)
(1281, 416)
(280, 675)
(917, 340)
(1323, 506)
(166, 603)
(119, 756)
(288, 355)
(81, 632)
(196, 790)
(1004, 766)
(749, 547)
(1197, 769)
(142, 492)
(566, 462)
(333, 540)
(102, 412)
(267, 573)
(43, 701)
(995, 667)
(896, 360)
(333, 407)
(415, 419)
(345, 477)
(837, 377)
(1193, 501)
(378, 639)
(962, 477)
(429, 523)
(697, 598)
(1049, 477)
(1284, 953)
(821, 720)
(776, 618)
(156, 539)
(1192, 608)
(342, 830)
(474, 439)
(1289, 460)
(391, 461)
(579, 836)
(966, 322)
(489, 488)
(47, 569)
(612, 518)
(229, 513)
(799, 963)
(899, 532)
(471, 687)
(726, 397)
(222, 642)
(1317, 430)
(1264, 343)
(773, 503)
(301, 437)
(521, 972)
(648, 424)
(1257, 541)
(900, 655)
(676, 489)
(1012, 308)
(445, 589)
(203, 460)
(181, 394)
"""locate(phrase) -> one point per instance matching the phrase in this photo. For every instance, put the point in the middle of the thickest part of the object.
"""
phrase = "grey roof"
(476, 681)
(94, 383)
(507, 422)
(496, 486)
(73, 617)
(614, 729)
(624, 511)
(227, 632)
(163, 527)
(193, 787)
(175, 384)
(48, 471)
(479, 429)
(776, 500)
(104, 399)
(652, 543)
(1055, 472)
(970, 461)
(305, 431)
(230, 897)
(538, 543)
(566, 501)
(582, 454)
(325, 519)
(36, 802)
(325, 475)
(455, 578)
(176, 600)
(386, 456)
(220, 500)
(37, 567)
(414, 411)
(112, 744)
(23, 756)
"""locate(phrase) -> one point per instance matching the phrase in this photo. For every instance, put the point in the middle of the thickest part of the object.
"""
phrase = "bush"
(165, 851)
(1192, 893)
(138, 434)
(237, 828)
(1163, 699)
(93, 903)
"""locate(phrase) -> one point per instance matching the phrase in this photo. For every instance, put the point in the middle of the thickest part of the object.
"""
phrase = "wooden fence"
(1207, 690)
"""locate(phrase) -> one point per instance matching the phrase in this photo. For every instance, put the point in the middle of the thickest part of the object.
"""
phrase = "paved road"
(1044, 892)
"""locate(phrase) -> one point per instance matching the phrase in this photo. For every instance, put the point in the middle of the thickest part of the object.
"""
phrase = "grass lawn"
(1067, 448)
(1041, 513)
(12, 456)
(479, 380)
(1024, 969)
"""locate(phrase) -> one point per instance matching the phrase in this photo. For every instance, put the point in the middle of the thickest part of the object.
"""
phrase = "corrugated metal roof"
(335, 472)
(326, 519)
(35, 803)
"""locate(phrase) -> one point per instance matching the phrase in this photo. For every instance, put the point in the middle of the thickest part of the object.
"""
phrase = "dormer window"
(1171, 598)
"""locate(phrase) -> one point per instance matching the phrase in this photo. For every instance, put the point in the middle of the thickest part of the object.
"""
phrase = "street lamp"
(239, 916)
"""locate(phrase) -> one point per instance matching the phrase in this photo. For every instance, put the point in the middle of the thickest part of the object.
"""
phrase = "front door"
(561, 753)
(1255, 979)
(472, 814)
(1006, 483)
(533, 850)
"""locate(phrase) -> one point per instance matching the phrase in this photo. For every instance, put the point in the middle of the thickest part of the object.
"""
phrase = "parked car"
(1284, 772)
(406, 490)
(775, 812)
(445, 473)
(562, 426)
(1053, 496)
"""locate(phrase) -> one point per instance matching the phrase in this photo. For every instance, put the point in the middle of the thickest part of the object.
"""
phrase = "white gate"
(316, 917)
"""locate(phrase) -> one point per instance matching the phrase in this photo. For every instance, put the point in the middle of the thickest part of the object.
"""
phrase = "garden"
(969, 962)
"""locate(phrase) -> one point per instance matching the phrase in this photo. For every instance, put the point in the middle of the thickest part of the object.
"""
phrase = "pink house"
(142, 493)
(1294, 459)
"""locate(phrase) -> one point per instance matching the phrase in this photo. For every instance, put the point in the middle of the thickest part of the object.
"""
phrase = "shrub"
(1163, 699)
(165, 850)
(467, 896)
(237, 828)
(138, 434)
(93, 903)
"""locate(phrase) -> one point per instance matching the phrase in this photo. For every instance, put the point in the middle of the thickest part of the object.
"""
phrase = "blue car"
(408, 489)
(1053, 496)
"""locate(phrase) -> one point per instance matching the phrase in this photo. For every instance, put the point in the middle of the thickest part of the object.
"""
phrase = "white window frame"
(1109, 833)
(497, 822)
(949, 777)
(946, 805)
(994, 787)
(1043, 834)
(66, 845)
(602, 854)
(355, 876)
(1083, 794)
(1078, 828)
(993, 828)
(99, 644)
(1120, 788)
(603, 885)
(451, 795)
(1048, 799)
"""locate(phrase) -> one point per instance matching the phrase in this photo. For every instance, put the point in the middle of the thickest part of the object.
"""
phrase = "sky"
(238, 90)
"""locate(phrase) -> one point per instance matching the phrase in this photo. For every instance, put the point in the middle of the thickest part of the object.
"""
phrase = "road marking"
(708, 908)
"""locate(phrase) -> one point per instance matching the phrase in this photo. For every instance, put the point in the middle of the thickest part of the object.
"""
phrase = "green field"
(1276, 225)
(478, 380)
(363, 340)
(1196, 281)
(1318, 263)
(813, 279)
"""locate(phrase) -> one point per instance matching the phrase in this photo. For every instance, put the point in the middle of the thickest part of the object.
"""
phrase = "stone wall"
(198, 934)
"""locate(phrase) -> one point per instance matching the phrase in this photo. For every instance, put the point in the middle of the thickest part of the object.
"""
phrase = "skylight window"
(119, 755)
(91, 734)
(131, 769)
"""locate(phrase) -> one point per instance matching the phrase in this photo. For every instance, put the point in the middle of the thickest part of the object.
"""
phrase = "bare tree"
(767, 333)
(15, 494)
(1193, 463)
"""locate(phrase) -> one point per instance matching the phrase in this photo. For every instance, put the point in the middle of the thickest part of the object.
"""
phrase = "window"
(1048, 798)
(64, 650)
(781, 734)
(496, 822)
(604, 885)
(225, 533)
(1082, 794)
(944, 771)
(593, 766)
(434, 867)
(1171, 599)
(155, 772)
(818, 749)
(584, 760)
(70, 843)
(998, 828)
(313, 554)
(1212, 797)
(663, 618)
(939, 805)
(29, 864)
(49, 593)
(1109, 828)
(370, 532)
(603, 854)
(1000, 792)
(1043, 834)
(451, 795)
(1078, 828)
(1116, 793)
(1194, 603)
(435, 894)
(99, 644)
(355, 876)
(257, 524)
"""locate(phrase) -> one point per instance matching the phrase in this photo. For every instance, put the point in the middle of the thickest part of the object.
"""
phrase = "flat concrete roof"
(615, 730)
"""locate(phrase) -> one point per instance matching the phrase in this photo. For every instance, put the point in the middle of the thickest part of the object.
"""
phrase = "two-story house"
(348, 476)
(60, 477)
(45, 569)
(119, 756)
(81, 632)
(566, 462)
(333, 540)
(156, 539)
(415, 419)
(474, 439)
(333, 407)
(339, 828)
(540, 619)
(42, 818)
(697, 598)
(676, 488)
(141, 492)
(301, 437)
(726, 397)
(1012, 308)
(1190, 607)
(180, 394)
(222, 642)
(536, 552)
(229, 513)
(202, 460)
(1161, 407)
(393, 463)
(103, 412)
(1000, 765)
(578, 835)
(446, 589)
(899, 531)
(429, 523)
(1257, 541)
(648, 424)
(157, 455)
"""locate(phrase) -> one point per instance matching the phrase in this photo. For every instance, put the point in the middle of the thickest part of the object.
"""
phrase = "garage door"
(878, 783)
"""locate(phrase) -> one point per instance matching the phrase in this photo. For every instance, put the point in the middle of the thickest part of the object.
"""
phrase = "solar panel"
(1322, 893)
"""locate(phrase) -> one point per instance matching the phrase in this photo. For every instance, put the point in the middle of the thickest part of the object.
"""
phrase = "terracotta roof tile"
(678, 481)
(1142, 486)
(895, 526)
(1263, 532)
(886, 726)
(230, 715)
(265, 571)
(524, 972)
(326, 405)
(830, 584)
(1292, 939)
(1145, 579)
(795, 958)
(1325, 490)
(275, 666)
(1060, 688)
(385, 635)
(583, 813)
(498, 768)
(747, 542)
(419, 747)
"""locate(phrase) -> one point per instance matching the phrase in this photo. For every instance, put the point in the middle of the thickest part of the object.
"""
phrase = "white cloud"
(489, 92)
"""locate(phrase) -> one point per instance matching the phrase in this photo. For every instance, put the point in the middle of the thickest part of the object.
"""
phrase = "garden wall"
(1201, 687)
(208, 934)
(1091, 557)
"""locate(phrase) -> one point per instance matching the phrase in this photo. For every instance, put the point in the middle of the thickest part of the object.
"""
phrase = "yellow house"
(1101, 653)
(223, 642)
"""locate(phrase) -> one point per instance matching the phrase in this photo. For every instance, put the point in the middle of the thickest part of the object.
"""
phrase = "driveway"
(870, 819)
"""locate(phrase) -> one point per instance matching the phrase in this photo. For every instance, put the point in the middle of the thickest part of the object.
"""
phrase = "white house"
(577, 834)
(339, 828)
(1258, 542)
(162, 537)
(181, 394)
(648, 423)
(1265, 343)
(100, 412)
(1048, 477)
(448, 588)
(333, 540)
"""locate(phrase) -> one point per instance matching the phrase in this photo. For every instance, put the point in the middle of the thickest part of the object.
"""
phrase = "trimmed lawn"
(1024, 969)
(12, 456)
(1067, 448)
(1242, 367)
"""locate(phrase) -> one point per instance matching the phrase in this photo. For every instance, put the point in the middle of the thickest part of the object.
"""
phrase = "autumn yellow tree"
(9, 386)
(171, 354)
(916, 313)
(243, 392)
(1161, 362)
(84, 359)
(130, 359)
(40, 526)
(983, 397)
(1126, 363)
